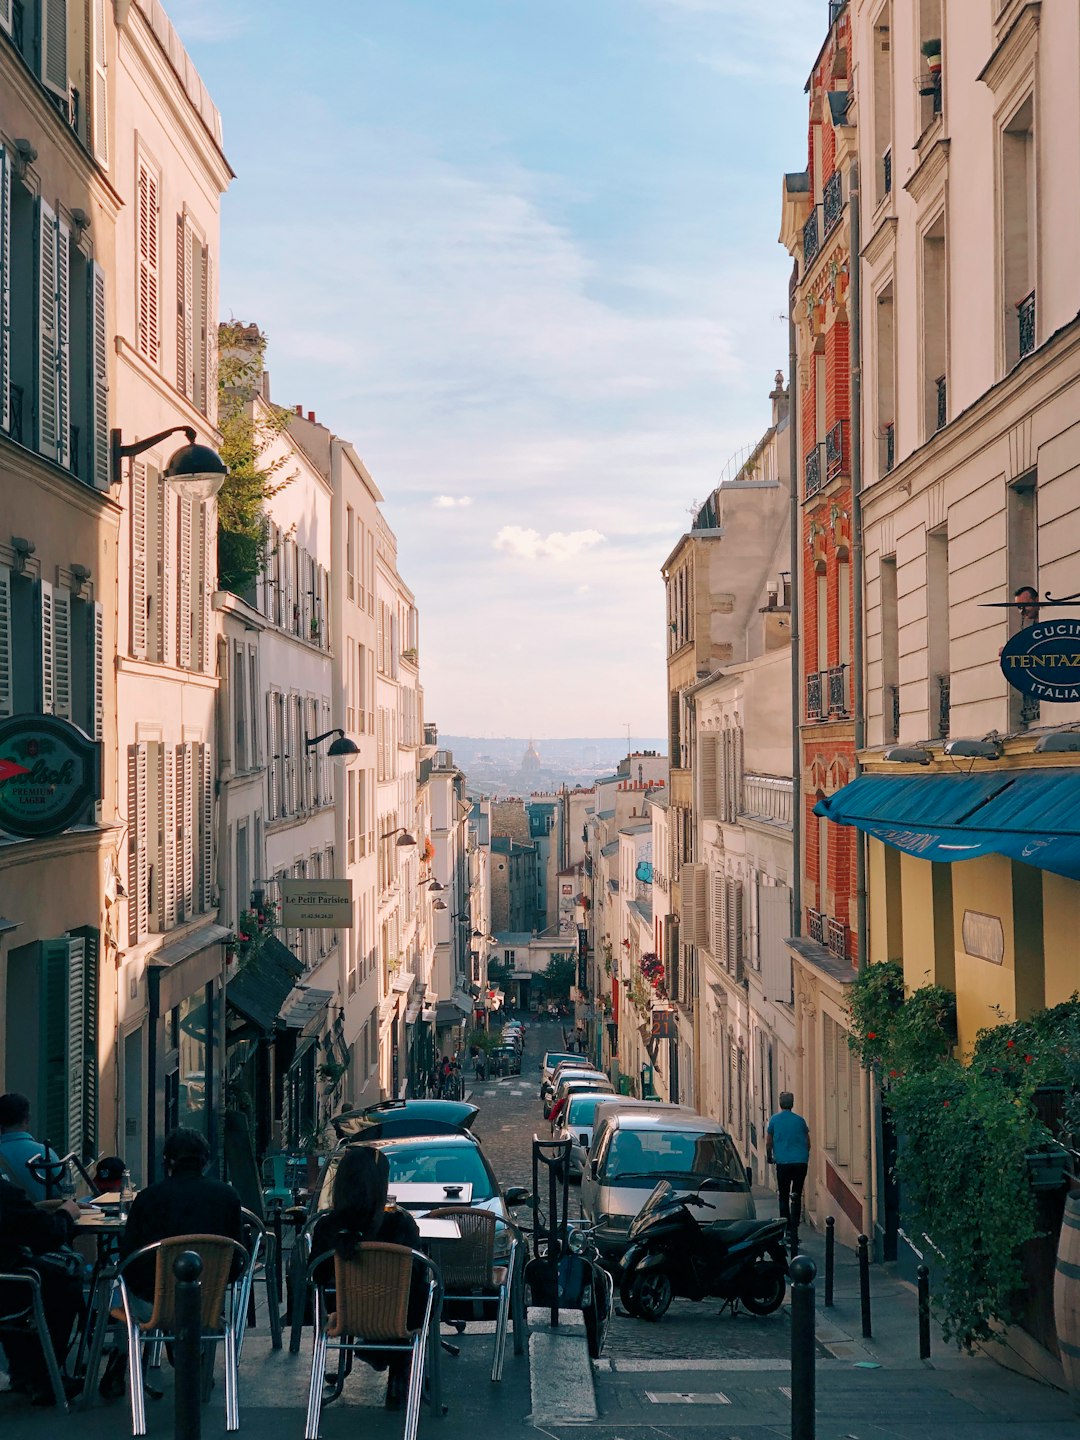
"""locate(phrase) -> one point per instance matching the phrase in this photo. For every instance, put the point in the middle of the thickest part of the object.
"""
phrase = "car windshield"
(417, 1164)
(643, 1157)
(555, 1058)
(581, 1110)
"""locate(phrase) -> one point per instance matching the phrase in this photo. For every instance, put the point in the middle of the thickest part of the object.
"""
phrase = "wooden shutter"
(272, 757)
(54, 66)
(61, 246)
(137, 897)
(206, 829)
(207, 582)
(45, 667)
(828, 1038)
(185, 827)
(5, 271)
(167, 837)
(91, 940)
(5, 15)
(99, 104)
(774, 925)
(149, 255)
(61, 619)
(183, 619)
(98, 378)
(717, 918)
(6, 678)
(76, 1043)
(47, 341)
(733, 911)
(53, 1010)
(138, 559)
(166, 578)
(185, 320)
(707, 764)
(206, 401)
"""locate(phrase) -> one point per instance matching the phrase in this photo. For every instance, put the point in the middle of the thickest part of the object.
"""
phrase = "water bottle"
(125, 1191)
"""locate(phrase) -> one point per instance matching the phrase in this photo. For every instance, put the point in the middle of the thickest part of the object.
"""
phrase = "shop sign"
(1043, 661)
(50, 772)
(663, 1027)
(316, 904)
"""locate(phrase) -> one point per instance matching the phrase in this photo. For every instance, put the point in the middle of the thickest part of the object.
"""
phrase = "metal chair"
(262, 1245)
(30, 1320)
(220, 1321)
(371, 1305)
(471, 1275)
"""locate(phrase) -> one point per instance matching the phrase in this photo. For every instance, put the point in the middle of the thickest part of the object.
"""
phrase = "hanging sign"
(50, 773)
(1043, 661)
(316, 904)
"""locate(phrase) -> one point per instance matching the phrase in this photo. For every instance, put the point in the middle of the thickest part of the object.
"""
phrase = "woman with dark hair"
(360, 1213)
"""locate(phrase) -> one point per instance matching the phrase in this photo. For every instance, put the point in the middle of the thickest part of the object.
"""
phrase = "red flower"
(946, 1103)
(1028, 1059)
(871, 1035)
(244, 936)
(894, 1073)
(1010, 1045)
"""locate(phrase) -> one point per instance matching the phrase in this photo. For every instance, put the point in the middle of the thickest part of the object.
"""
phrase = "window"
(843, 1100)
(350, 553)
(883, 105)
(1022, 528)
(886, 381)
(1019, 235)
(934, 312)
(194, 303)
(241, 748)
(170, 818)
(822, 621)
(890, 651)
(937, 630)
(170, 597)
(51, 653)
(67, 985)
(148, 252)
(929, 61)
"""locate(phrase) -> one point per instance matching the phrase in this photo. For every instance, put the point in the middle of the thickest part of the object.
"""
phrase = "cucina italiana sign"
(50, 773)
(1043, 661)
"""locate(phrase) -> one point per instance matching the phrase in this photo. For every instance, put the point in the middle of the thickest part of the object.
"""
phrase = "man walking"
(787, 1146)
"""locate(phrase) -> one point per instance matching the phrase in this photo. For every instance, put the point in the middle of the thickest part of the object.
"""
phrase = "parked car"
(594, 1079)
(404, 1117)
(576, 1125)
(576, 1065)
(505, 1060)
(551, 1059)
(634, 1149)
(598, 1084)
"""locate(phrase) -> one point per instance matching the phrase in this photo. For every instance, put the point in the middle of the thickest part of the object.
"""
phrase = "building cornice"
(932, 168)
(18, 461)
(882, 240)
(1014, 49)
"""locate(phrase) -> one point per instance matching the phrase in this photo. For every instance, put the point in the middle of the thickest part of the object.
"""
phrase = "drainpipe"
(796, 630)
(858, 686)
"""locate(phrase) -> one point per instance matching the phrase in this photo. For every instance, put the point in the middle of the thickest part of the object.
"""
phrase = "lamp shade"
(343, 749)
(196, 472)
(405, 839)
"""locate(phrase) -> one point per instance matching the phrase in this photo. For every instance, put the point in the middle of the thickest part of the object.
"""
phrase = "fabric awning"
(304, 1009)
(261, 987)
(447, 1013)
(1028, 815)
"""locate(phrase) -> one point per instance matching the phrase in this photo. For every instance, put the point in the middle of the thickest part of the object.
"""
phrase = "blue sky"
(522, 253)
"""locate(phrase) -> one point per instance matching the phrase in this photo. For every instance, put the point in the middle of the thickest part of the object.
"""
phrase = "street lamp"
(342, 748)
(195, 472)
(404, 838)
(436, 886)
(439, 905)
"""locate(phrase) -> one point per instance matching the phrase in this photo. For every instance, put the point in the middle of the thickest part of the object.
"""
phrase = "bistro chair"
(220, 1320)
(370, 1314)
(472, 1279)
(29, 1319)
(262, 1248)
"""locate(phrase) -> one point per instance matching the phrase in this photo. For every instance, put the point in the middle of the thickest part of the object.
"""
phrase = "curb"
(563, 1352)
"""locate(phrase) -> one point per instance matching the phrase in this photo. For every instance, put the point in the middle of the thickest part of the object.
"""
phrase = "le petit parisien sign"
(50, 772)
(1043, 661)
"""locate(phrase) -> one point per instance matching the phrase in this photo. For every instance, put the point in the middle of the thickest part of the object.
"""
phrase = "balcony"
(836, 933)
(814, 709)
(1025, 319)
(832, 201)
(815, 925)
(944, 686)
(813, 471)
(834, 451)
(768, 798)
(838, 688)
(886, 172)
(811, 239)
(888, 447)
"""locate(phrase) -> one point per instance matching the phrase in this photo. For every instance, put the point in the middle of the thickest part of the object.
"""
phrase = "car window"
(415, 1164)
(581, 1110)
(642, 1154)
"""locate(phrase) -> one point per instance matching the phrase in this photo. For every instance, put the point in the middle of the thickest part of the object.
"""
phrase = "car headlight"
(503, 1241)
(576, 1242)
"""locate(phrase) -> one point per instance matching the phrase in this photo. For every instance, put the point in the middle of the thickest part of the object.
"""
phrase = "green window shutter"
(76, 1042)
(91, 942)
(53, 1043)
(5, 258)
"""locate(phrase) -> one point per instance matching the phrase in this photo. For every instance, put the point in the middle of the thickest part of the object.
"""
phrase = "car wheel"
(648, 1294)
(762, 1287)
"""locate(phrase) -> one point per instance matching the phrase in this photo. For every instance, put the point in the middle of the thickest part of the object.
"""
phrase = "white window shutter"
(5, 269)
(6, 681)
(61, 619)
(206, 828)
(95, 650)
(206, 401)
(167, 847)
(63, 344)
(183, 618)
(47, 342)
(54, 67)
(166, 577)
(717, 918)
(45, 606)
(185, 319)
(138, 559)
(5, 16)
(272, 760)
(99, 380)
(185, 816)
(774, 923)
(208, 582)
(148, 222)
(137, 897)
(99, 105)
(707, 766)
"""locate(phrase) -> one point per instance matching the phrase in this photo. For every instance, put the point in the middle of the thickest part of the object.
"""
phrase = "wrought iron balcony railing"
(811, 239)
(815, 925)
(814, 481)
(942, 401)
(893, 693)
(832, 201)
(814, 709)
(834, 451)
(837, 938)
(838, 687)
(888, 445)
(886, 172)
(944, 683)
(15, 412)
(1025, 317)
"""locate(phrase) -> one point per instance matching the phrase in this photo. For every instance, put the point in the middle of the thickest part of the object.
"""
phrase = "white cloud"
(531, 545)
(773, 44)
(208, 21)
(451, 502)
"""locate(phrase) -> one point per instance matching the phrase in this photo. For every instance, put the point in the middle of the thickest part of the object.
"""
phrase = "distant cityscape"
(512, 765)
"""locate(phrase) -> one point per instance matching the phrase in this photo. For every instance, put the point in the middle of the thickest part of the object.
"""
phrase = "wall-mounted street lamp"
(988, 748)
(907, 755)
(436, 886)
(1058, 742)
(404, 838)
(439, 905)
(342, 748)
(195, 471)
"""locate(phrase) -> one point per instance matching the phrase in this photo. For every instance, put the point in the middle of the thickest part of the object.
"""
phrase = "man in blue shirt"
(17, 1145)
(787, 1146)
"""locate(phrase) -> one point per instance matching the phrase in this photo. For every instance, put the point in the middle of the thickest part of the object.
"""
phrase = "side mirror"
(749, 1177)
(593, 1168)
(583, 1140)
(517, 1195)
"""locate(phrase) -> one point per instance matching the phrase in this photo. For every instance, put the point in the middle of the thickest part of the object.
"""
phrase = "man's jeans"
(789, 1184)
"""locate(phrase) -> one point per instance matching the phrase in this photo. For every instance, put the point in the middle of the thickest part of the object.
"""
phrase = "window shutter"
(54, 67)
(272, 760)
(138, 559)
(206, 828)
(137, 823)
(61, 619)
(167, 848)
(185, 818)
(91, 941)
(47, 340)
(828, 1036)
(5, 268)
(76, 1043)
(208, 581)
(148, 246)
(63, 345)
(717, 919)
(99, 107)
(206, 401)
(99, 378)
(166, 580)
(185, 320)
(707, 762)
(46, 671)
(6, 700)
(53, 1009)
(5, 15)
(95, 649)
(774, 921)
(733, 908)
(183, 619)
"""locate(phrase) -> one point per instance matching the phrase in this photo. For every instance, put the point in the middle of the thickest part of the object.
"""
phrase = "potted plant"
(931, 50)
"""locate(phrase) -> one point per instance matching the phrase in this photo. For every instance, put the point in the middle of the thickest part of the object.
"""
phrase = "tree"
(559, 974)
(248, 430)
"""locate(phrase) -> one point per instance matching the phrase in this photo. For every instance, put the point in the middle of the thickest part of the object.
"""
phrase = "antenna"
(627, 724)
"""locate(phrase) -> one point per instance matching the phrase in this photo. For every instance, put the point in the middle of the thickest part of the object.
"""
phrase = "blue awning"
(1028, 815)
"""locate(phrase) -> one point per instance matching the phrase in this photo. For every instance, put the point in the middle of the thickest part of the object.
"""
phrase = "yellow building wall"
(917, 889)
(1061, 937)
(985, 993)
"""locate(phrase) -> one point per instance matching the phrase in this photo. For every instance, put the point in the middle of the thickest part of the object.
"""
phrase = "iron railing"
(815, 925)
(832, 201)
(814, 709)
(944, 685)
(837, 938)
(766, 797)
(886, 171)
(1029, 710)
(1025, 317)
(73, 449)
(813, 471)
(15, 413)
(838, 699)
(888, 438)
(894, 696)
(811, 239)
(942, 401)
(834, 451)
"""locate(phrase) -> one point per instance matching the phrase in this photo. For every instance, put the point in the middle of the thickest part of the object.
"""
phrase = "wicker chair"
(371, 1305)
(29, 1319)
(220, 1322)
(469, 1273)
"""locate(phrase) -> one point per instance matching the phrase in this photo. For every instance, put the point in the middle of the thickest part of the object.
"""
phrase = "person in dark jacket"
(25, 1234)
(359, 1213)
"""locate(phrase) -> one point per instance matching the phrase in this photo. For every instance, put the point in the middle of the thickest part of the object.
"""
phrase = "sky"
(523, 255)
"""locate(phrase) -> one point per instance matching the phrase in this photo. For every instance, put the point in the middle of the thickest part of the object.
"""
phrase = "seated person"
(109, 1175)
(17, 1145)
(25, 1234)
(361, 1213)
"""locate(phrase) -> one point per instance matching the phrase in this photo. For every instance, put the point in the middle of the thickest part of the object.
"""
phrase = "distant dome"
(531, 759)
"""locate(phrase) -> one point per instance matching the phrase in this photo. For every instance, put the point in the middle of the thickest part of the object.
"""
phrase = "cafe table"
(106, 1226)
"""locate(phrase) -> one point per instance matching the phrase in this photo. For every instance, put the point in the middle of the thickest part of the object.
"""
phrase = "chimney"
(311, 416)
(300, 411)
(779, 397)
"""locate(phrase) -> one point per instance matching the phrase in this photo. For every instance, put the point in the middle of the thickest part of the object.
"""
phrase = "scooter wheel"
(763, 1287)
(647, 1294)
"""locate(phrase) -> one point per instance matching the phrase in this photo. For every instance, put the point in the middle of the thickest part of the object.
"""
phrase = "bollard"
(187, 1412)
(864, 1285)
(803, 1378)
(830, 1259)
(924, 1312)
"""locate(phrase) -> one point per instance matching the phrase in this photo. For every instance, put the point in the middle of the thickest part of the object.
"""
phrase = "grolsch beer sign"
(1043, 661)
(50, 774)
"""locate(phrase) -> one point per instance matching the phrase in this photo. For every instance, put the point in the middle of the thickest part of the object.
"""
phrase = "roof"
(642, 908)
(611, 848)
(261, 987)
(678, 1120)
(605, 814)
(639, 827)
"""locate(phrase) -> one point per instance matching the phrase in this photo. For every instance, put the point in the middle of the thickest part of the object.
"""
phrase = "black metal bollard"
(187, 1412)
(864, 1285)
(924, 1312)
(830, 1259)
(803, 1376)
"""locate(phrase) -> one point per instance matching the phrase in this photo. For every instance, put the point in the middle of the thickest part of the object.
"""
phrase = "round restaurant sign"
(1043, 660)
(50, 771)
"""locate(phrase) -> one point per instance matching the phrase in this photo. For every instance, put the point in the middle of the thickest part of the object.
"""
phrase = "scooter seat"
(732, 1231)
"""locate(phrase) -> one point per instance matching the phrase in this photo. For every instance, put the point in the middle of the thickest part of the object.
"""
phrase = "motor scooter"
(742, 1262)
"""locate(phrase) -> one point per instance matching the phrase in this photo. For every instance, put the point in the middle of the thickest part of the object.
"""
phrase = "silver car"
(576, 1125)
